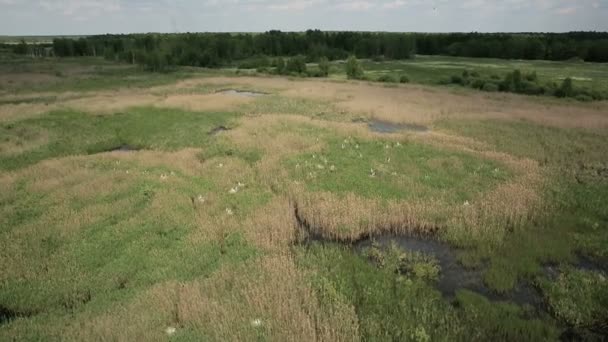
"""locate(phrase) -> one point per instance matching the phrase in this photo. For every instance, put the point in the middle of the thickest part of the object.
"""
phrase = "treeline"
(587, 46)
(158, 51)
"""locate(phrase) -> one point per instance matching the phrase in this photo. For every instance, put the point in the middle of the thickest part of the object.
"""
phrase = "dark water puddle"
(245, 93)
(453, 276)
(124, 148)
(552, 271)
(380, 126)
(218, 130)
(7, 315)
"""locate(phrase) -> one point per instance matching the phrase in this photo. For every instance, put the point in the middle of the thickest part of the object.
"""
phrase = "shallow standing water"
(124, 148)
(453, 276)
(380, 126)
(245, 93)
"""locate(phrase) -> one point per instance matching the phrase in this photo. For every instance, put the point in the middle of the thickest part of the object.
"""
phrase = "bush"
(532, 77)
(353, 68)
(566, 89)
(457, 79)
(474, 74)
(324, 66)
(262, 70)
(530, 88)
(404, 79)
(490, 87)
(279, 64)
(387, 79)
(444, 81)
(296, 65)
(511, 82)
(255, 63)
(315, 73)
(584, 98)
(478, 84)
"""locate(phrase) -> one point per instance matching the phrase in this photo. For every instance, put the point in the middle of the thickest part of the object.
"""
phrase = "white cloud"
(394, 4)
(354, 5)
(81, 8)
(297, 5)
(566, 10)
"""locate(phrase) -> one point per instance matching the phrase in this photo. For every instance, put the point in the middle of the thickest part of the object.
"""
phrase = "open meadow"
(230, 204)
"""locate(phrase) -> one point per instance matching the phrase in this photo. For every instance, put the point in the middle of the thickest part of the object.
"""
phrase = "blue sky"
(53, 17)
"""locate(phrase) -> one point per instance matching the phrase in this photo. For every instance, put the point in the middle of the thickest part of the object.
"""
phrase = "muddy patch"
(242, 93)
(385, 127)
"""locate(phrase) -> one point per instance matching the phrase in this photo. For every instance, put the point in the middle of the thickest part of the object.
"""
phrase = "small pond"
(243, 93)
(453, 276)
(380, 126)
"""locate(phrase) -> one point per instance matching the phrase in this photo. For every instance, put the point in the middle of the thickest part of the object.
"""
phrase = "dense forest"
(216, 49)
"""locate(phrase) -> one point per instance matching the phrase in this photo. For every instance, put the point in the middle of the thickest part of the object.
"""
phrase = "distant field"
(433, 69)
(32, 39)
(226, 204)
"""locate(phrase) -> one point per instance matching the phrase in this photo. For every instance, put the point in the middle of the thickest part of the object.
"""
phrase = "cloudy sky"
(54, 17)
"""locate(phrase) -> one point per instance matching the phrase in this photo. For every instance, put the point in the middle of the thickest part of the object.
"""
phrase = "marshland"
(296, 198)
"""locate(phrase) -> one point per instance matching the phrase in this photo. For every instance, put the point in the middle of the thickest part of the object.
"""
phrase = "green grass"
(389, 170)
(401, 307)
(89, 236)
(580, 298)
(577, 216)
(72, 132)
(132, 248)
(433, 69)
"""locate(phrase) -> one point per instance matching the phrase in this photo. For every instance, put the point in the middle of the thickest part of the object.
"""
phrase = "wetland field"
(231, 204)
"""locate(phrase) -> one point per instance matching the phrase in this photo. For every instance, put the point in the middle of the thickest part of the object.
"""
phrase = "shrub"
(387, 79)
(324, 66)
(280, 65)
(465, 74)
(478, 84)
(354, 69)
(378, 58)
(444, 81)
(315, 73)
(584, 98)
(296, 65)
(255, 63)
(404, 79)
(530, 88)
(474, 74)
(566, 89)
(262, 70)
(490, 87)
(457, 79)
(532, 77)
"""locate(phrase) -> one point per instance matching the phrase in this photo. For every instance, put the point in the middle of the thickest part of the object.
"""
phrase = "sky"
(84, 17)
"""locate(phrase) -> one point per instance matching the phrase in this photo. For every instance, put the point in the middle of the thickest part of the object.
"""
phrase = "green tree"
(354, 70)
